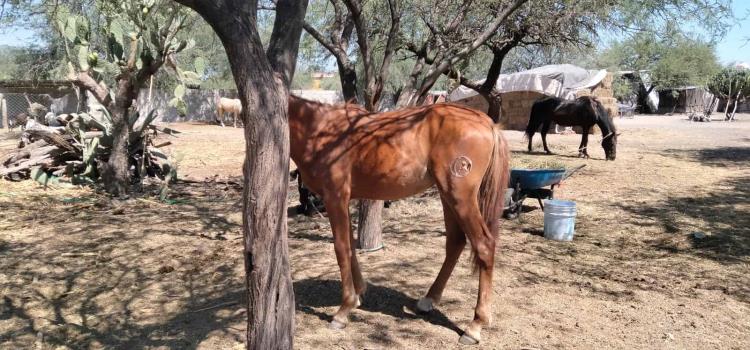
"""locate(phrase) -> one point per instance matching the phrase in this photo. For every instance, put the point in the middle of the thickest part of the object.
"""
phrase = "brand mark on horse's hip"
(461, 166)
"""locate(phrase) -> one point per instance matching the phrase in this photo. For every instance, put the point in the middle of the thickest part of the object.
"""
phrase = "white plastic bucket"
(559, 220)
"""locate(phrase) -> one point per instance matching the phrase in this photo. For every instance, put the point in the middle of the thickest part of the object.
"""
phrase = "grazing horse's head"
(609, 139)
(609, 143)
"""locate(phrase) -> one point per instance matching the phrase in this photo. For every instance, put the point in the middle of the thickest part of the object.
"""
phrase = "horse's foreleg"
(235, 118)
(337, 205)
(545, 130)
(455, 241)
(360, 285)
(220, 115)
(582, 150)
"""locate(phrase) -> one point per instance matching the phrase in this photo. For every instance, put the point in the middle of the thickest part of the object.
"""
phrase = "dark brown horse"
(585, 111)
(345, 153)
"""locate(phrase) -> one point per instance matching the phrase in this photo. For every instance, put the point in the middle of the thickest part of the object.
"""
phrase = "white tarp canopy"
(559, 80)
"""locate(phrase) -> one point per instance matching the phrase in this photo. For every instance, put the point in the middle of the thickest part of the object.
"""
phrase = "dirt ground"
(78, 271)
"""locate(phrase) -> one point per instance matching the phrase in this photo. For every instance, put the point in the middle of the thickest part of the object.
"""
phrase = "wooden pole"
(150, 90)
(4, 115)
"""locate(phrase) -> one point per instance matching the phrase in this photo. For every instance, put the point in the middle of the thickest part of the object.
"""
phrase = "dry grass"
(80, 271)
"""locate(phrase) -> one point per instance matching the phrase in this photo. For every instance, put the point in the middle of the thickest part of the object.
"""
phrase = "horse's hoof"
(359, 302)
(467, 340)
(424, 305)
(336, 325)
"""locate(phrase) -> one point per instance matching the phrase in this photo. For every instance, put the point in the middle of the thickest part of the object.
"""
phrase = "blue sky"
(16, 37)
(733, 47)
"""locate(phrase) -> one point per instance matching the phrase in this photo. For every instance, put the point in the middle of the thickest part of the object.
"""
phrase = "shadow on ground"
(98, 279)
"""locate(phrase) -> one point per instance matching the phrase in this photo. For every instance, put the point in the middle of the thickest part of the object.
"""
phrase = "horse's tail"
(494, 183)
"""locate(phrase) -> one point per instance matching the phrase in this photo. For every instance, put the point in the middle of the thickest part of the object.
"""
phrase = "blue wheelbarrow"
(531, 183)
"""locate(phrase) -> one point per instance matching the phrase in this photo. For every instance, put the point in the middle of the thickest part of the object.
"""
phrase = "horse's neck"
(302, 119)
(605, 125)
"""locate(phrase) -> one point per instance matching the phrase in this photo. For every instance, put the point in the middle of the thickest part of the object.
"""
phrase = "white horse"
(229, 105)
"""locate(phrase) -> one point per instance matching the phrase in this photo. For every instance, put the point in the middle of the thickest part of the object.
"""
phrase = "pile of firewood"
(77, 151)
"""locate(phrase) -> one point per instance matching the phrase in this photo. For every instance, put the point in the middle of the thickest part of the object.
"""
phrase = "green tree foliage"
(730, 82)
(733, 85)
(672, 60)
(623, 89)
(9, 68)
(112, 48)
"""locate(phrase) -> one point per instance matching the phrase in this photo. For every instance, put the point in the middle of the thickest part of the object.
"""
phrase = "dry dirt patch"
(80, 271)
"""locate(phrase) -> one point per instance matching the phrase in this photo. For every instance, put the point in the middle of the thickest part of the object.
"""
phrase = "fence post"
(4, 115)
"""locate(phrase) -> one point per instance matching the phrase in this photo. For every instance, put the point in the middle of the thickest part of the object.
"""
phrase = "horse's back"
(230, 103)
(401, 150)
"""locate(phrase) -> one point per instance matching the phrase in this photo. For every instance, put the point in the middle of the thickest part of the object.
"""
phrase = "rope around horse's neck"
(603, 138)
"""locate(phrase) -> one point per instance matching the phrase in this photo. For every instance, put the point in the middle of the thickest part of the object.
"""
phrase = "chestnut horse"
(345, 153)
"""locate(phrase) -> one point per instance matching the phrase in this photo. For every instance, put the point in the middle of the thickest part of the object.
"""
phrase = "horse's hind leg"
(455, 241)
(337, 205)
(530, 137)
(483, 245)
(545, 129)
(461, 195)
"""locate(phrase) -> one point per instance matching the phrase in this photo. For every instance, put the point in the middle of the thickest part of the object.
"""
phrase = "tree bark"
(370, 228)
(348, 78)
(116, 174)
(734, 110)
(263, 86)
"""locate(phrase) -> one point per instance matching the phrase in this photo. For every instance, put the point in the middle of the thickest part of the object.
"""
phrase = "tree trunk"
(263, 80)
(734, 110)
(729, 100)
(643, 100)
(495, 106)
(269, 284)
(266, 177)
(348, 78)
(116, 174)
(370, 228)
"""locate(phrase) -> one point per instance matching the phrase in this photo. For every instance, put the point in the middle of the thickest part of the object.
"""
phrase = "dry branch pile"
(77, 151)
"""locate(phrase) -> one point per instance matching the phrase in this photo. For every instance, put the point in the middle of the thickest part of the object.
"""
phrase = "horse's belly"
(397, 175)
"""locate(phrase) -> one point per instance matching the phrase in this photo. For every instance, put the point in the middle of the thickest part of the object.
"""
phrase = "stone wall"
(201, 104)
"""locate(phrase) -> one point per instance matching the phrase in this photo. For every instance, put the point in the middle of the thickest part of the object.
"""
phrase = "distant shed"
(689, 98)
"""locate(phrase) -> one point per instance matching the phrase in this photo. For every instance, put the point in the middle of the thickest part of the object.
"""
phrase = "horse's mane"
(602, 113)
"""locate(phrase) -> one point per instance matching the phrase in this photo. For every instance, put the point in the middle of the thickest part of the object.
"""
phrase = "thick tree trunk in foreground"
(263, 80)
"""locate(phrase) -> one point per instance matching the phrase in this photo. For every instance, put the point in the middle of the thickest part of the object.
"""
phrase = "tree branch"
(285, 37)
(85, 81)
(446, 62)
